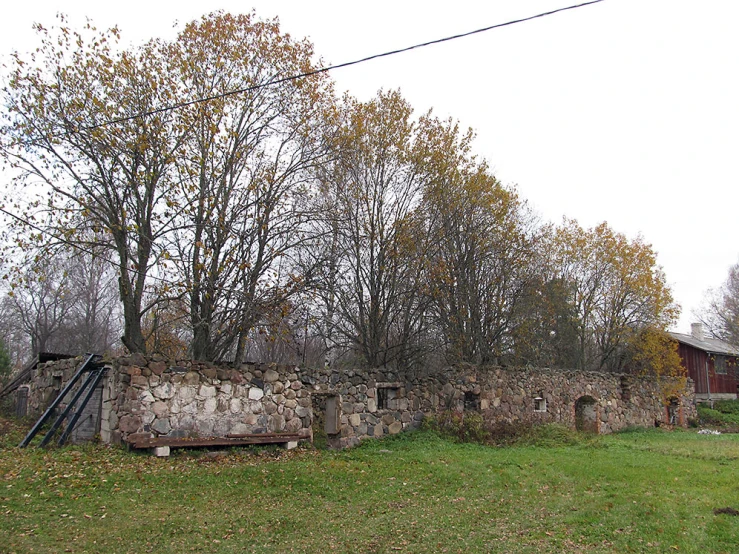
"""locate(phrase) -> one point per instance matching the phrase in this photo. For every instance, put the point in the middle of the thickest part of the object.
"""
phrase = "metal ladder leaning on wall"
(95, 371)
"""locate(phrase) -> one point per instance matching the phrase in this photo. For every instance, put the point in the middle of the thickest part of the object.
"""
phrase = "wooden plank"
(262, 438)
(252, 435)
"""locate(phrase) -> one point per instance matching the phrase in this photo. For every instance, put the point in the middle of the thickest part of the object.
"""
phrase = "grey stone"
(293, 425)
(129, 424)
(221, 427)
(204, 427)
(164, 391)
(160, 408)
(255, 393)
(210, 405)
(146, 397)
(395, 428)
(276, 423)
(186, 393)
(239, 429)
(161, 451)
(161, 426)
(254, 406)
(190, 408)
(270, 376)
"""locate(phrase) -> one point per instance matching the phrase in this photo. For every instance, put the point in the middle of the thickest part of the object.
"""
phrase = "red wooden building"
(712, 364)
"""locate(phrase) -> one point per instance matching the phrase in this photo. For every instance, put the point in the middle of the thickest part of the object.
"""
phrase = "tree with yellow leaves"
(617, 290)
(74, 134)
(483, 256)
(244, 182)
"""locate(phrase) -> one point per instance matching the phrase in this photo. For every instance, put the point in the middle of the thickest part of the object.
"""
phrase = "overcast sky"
(626, 111)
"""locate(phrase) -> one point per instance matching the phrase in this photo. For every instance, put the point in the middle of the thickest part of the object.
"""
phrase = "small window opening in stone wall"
(471, 402)
(540, 403)
(385, 397)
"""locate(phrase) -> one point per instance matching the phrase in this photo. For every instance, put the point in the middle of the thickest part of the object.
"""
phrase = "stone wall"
(47, 380)
(194, 399)
(376, 403)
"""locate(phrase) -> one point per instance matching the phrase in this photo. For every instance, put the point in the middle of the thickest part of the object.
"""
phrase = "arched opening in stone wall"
(673, 411)
(586, 415)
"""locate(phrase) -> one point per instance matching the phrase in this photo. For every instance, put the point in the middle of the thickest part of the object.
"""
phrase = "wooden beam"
(232, 440)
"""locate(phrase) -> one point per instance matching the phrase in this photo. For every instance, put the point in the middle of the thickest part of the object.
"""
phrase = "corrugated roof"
(714, 346)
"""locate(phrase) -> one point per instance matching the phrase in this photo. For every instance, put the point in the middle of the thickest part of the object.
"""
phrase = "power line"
(337, 66)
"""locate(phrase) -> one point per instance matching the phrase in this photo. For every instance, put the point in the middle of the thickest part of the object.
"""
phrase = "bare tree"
(720, 313)
(245, 174)
(372, 268)
(94, 323)
(485, 255)
(66, 303)
(43, 303)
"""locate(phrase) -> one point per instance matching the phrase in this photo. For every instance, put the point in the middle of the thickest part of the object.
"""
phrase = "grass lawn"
(652, 491)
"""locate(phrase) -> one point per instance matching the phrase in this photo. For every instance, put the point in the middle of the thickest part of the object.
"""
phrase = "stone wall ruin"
(339, 408)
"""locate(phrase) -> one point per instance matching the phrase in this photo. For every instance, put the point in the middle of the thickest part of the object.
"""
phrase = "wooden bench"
(162, 445)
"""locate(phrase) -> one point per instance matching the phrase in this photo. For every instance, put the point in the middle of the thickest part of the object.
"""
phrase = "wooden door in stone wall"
(326, 419)
(88, 425)
(21, 401)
